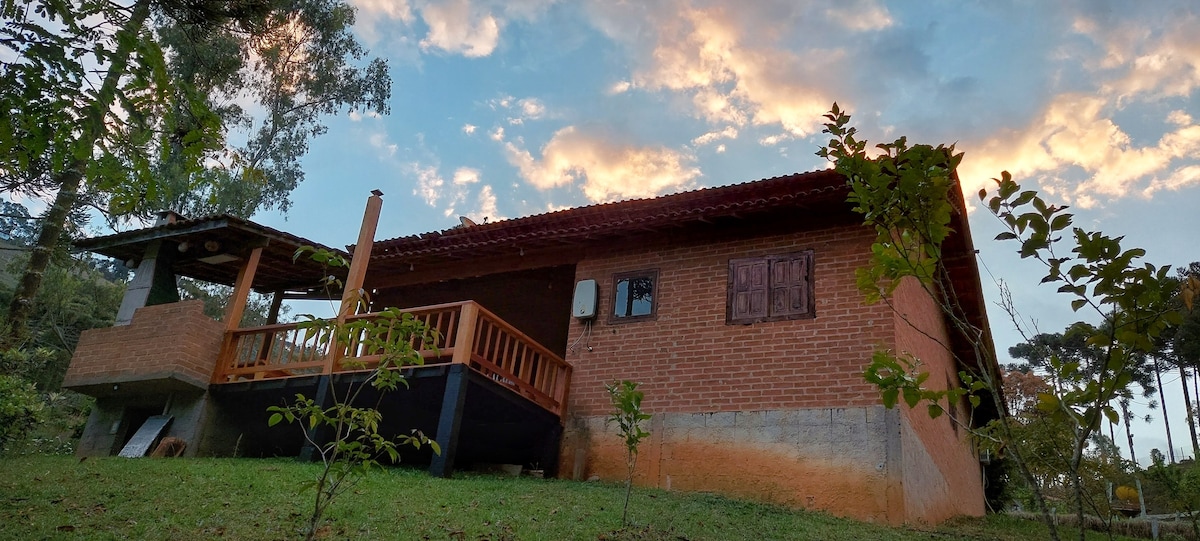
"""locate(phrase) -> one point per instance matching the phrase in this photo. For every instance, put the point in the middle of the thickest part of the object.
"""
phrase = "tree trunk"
(1112, 437)
(1162, 402)
(92, 128)
(21, 306)
(1128, 431)
(1077, 488)
(1187, 403)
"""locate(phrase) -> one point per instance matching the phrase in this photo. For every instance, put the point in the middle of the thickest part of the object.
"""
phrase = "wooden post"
(464, 338)
(362, 255)
(276, 305)
(358, 270)
(561, 388)
(234, 311)
(241, 290)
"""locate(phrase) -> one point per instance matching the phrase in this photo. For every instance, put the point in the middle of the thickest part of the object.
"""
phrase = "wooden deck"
(469, 335)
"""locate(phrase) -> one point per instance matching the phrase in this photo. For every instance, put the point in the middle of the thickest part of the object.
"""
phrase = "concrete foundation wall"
(104, 430)
(114, 420)
(842, 460)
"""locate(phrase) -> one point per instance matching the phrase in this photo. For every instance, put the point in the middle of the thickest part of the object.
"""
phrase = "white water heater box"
(584, 306)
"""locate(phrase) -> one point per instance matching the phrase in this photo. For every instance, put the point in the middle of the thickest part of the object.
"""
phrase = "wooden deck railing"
(469, 334)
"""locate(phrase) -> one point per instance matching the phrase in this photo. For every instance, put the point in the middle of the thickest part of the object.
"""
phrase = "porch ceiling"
(213, 248)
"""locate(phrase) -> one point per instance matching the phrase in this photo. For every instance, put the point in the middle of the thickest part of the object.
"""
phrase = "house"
(735, 307)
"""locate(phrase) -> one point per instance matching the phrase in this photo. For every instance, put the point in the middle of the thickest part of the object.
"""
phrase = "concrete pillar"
(154, 279)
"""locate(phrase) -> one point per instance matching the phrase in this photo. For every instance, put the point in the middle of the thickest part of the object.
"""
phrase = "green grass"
(115, 498)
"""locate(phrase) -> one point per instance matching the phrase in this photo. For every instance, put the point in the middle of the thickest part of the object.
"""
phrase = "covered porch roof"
(214, 248)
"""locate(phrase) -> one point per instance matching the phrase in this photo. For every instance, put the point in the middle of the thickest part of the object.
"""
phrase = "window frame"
(808, 311)
(652, 274)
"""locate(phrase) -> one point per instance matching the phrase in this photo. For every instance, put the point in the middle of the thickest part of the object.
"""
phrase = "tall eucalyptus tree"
(128, 107)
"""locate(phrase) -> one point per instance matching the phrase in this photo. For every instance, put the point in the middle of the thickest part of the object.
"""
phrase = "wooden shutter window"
(749, 291)
(770, 288)
(789, 285)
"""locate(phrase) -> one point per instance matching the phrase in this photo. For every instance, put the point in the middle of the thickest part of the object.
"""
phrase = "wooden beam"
(362, 255)
(241, 290)
(399, 275)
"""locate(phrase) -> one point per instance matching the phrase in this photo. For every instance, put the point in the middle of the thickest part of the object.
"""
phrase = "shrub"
(20, 409)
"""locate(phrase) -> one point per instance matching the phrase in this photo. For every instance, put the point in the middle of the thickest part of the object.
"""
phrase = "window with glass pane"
(634, 295)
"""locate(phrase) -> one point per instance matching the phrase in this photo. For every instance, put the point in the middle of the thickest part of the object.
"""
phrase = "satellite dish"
(466, 222)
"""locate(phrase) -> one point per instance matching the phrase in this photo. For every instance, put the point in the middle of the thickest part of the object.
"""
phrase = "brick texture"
(689, 360)
(779, 410)
(940, 464)
(166, 341)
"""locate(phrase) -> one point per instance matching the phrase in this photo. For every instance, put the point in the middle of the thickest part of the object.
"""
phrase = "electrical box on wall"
(584, 306)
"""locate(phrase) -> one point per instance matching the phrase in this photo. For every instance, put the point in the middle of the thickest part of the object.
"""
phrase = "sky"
(502, 109)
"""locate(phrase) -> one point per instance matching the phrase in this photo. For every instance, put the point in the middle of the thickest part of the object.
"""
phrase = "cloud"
(608, 170)
(1076, 133)
(390, 9)
(468, 129)
(429, 182)
(433, 189)
(466, 175)
(729, 132)
(772, 140)
(1101, 133)
(460, 27)
(619, 87)
(860, 15)
(472, 28)
(373, 12)
(486, 205)
(1161, 63)
(734, 63)
(497, 134)
(531, 108)
(521, 109)
(1175, 180)
(381, 142)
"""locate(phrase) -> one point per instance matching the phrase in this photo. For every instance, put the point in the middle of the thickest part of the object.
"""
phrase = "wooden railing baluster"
(469, 334)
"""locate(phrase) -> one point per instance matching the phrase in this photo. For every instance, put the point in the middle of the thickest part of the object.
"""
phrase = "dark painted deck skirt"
(474, 419)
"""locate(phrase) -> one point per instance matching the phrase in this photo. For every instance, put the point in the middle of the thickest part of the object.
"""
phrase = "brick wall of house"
(168, 341)
(689, 360)
(776, 411)
(941, 470)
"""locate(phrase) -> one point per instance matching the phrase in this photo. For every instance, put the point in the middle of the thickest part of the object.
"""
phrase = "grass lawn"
(116, 498)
